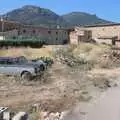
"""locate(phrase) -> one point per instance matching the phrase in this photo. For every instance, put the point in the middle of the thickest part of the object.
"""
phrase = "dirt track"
(105, 106)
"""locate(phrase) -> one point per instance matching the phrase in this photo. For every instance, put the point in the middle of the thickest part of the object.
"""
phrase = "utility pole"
(2, 21)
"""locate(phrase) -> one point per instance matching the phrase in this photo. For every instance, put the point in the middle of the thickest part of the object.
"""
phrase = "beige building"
(108, 30)
(49, 35)
(80, 35)
(102, 33)
(9, 25)
(105, 33)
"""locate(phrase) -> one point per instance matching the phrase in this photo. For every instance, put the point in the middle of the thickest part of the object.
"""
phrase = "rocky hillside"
(82, 18)
(34, 15)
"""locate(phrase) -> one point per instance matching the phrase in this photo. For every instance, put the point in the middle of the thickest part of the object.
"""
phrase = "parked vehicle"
(9, 66)
(22, 60)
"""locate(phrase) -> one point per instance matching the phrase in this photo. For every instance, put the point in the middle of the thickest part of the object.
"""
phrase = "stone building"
(55, 36)
(105, 33)
(49, 35)
(102, 33)
(80, 35)
(9, 25)
(104, 30)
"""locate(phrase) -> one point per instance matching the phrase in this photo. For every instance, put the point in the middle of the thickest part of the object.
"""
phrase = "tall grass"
(86, 54)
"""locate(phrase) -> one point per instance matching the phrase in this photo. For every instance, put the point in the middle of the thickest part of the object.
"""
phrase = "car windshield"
(22, 60)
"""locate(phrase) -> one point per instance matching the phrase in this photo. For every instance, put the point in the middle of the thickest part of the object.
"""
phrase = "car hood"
(32, 63)
(24, 65)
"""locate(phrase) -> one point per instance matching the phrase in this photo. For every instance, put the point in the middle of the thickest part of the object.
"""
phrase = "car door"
(3, 66)
(11, 68)
(8, 67)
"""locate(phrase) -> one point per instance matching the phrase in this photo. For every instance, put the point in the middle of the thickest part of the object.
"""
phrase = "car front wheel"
(26, 76)
(42, 68)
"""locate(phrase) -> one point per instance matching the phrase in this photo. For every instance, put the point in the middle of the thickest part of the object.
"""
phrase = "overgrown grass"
(86, 54)
(30, 53)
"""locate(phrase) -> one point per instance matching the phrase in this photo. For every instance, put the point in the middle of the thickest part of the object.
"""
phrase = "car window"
(14, 60)
(9, 62)
(3, 61)
(22, 59)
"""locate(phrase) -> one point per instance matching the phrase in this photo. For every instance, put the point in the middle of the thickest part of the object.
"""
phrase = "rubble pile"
(67, 57)
(89, 55)
(47, 115)
(115, 56)
(53, 116)
(110, 59)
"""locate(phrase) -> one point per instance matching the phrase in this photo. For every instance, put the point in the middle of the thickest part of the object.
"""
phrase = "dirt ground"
(57, 90)
(50, 91)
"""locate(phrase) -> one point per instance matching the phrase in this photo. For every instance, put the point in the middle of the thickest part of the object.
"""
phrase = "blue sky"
(107, 9)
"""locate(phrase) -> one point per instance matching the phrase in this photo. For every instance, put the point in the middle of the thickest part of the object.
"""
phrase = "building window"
(34, 31)
(18, 32)
(24, 31)
(56, 38)
(56, 33)
(49, 32)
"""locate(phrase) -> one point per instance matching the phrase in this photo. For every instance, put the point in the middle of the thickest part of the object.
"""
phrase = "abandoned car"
(22, 60)
(10, 66)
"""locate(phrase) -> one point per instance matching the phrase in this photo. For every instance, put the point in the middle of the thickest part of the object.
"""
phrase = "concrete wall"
(73, 37)
(1, 38)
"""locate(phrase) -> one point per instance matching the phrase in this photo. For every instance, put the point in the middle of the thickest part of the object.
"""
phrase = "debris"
(21, 116)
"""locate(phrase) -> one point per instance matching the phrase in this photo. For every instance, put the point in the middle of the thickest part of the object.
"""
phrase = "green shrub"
(25, 43)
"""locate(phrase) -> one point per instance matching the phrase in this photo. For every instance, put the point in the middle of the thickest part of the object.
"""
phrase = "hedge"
(25, 43)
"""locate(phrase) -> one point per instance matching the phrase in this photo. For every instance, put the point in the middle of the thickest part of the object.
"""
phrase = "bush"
(66, 56)
(87, 55)
(26, 43)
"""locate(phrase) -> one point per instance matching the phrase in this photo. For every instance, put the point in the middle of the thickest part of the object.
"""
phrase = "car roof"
(8, 58)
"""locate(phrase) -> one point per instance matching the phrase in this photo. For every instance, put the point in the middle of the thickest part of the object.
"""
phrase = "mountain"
(82, 18)
(34, 15)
